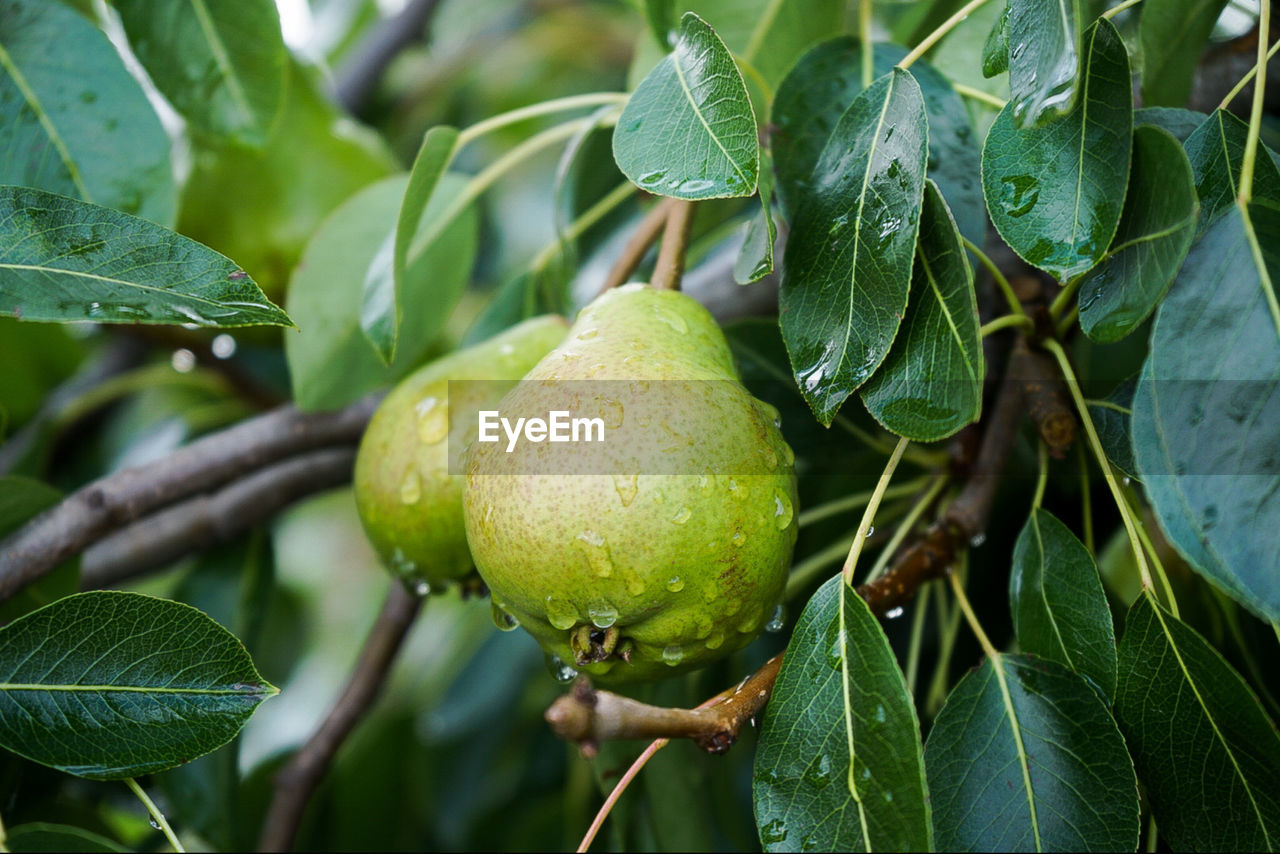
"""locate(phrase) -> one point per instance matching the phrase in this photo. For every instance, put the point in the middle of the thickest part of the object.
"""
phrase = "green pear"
(665, 544)
(409, 503)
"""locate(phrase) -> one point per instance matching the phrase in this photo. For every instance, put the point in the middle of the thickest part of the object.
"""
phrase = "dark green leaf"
(930, 384)
(995, 51)
(1044, 48)
(661, 15)
(847, 269)
(20, 499)
(1216, 150)
(108, 685)
(63, 259)
(38, 836)
(820, 88)
(72, 119)
(689, 131)
(221, 63)
(1172, 33)
(1024, 756)
(1206, 406)
(1155, 232)
(381, 310)
(1111, 418)
(331, 362)
(755, 259)
(1055, 192)
(1181, 123)
(1056, 599)
(1205, 751)
(838, 767)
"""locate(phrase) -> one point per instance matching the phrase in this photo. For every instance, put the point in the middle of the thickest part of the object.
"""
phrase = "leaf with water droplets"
(930, 384)
(73, 120)
(847, 269)
(995, 50)
(689, 130)
(755, 258)
(1171, 35)
(1155, 232)
(1024, 756)
(1043, 41)
(1055, 193)
(108, 685)
(1216, 152)
(62, 259)
(838, 767)
(1206, 406)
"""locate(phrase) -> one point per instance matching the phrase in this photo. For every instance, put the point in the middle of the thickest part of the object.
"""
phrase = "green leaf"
(1216, 151)
(847, 269)
(38, 836)
(72, 119)
(930, 384)
(820, 88)
(689, 130)
(1111, 417)
(1205, 407)
(1159, 221)
(1024, 756)
(1206, 754)
(1055, 597)
(755, 259)
(661, 15)
(62, 259)
(1055, 192)
(108, 685)
(838, 767)
(1180, 123)
(220, 63)
(1171, 35)
(331, 362)
(1043, 41)
(384, 284)
(22, 498)
(995, 51)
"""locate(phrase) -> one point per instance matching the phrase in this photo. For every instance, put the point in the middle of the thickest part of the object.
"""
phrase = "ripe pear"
(666, 544)
(409, 503)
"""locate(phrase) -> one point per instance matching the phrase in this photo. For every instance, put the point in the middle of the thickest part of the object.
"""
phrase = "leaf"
(1206, 405)
(1111, 418)
(21, 498)
(661, 17)
(1171, 35)
(1180, 123)
(39, 836)
(755, 259)
(384, 284)
(1024, 756)
(689, 131)
(838, 767)
(1043, 43)
(107, 685)
(1055, 597)
(930, 384)
(1216, 151)
(1159, 221)
(820, 88)
(847, 269)
(331, 362)
(72, 119)
(1055, 192)
(220, 64)
(995, 51)
(62, 259)
(1206, 754)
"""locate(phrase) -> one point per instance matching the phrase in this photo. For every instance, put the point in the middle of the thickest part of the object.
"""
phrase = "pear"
(665, 544)
(409, 503)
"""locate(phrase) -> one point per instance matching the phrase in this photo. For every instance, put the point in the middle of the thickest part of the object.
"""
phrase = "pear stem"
(675, 246)
(646, 234)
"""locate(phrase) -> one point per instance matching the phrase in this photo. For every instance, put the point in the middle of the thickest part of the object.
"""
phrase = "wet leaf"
(1216, 150)
(1044, 48)
(995, 51)
(755, 259)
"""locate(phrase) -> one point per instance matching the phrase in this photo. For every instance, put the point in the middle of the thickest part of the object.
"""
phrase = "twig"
(1047, 401)
(358, 76)
(157, 817)
(637, 247)
(297, 781)
(203, 521)
(669, 269)
(111, 502)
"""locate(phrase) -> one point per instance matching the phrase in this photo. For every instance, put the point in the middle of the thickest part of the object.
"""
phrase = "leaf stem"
(804, 573)
(1100, 456)
(156, 815)
(1015, 305)
(1064, 297)
(930, 40)
(558, 105)
(585, 220)
(1255, 114)
(1004, 322)
(869, 514)
(917, 636)
(864, 38)
(972, 618)
(858, 499)
(975, 94)
(1086, 500)
(1118, 8)
(1156, 563)
(668, 270)
(1042, 454)
(1244, 81)
(904, 528)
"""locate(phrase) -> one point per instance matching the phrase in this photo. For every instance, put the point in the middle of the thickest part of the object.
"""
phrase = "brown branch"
(297, 781)
(669, 268)
(111, 502)
(637, 247)
(1047, 401)
(198, 523)
(357, 76)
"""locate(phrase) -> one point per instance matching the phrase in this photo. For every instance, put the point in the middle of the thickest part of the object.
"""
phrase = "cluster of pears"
(658, 545)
